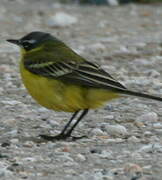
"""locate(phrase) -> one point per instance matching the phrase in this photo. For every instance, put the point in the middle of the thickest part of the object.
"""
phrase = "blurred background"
(109, 2)
(125, 136)
(102, 2)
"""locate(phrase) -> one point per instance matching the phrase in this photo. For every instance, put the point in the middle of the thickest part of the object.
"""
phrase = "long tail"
(128, 92)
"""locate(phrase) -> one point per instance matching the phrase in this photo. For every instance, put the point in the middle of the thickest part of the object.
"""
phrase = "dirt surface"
(125, 136)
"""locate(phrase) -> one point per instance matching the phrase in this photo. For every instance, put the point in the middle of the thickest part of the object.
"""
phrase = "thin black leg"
(69, 122)
(68, 134)
(63, 134)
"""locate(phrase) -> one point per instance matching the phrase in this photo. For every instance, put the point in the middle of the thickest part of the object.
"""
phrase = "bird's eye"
(28, 44)
(25, 44)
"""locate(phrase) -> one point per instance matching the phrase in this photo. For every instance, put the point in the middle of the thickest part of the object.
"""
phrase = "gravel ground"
(124, 137)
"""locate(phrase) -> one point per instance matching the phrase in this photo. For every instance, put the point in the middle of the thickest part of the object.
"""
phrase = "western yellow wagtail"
(60, 79)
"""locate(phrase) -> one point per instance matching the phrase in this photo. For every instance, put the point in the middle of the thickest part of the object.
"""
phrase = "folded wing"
(83, 73)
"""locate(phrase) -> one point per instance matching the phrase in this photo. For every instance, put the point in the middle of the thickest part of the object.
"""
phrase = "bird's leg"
(62, 135)
(69, 122)
(68, 134)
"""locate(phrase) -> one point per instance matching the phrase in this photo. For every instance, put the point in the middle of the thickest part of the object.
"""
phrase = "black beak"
(14, 41)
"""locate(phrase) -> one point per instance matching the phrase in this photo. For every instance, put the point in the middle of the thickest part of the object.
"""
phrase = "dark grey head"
(32, 40)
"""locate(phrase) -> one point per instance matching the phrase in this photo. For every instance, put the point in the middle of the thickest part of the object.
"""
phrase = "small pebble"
(115, 140)
(139, 124)
(11, 102)
(147, 148)
(157, 125)
(116, 130)
(70, 164)
(136, 156)
(97, 132)
(149, 117)
(14, 141)
(106, 154)
(61, 19)
(133, 171)
(80, 157)
(53, 123)
(31, 159)
(150, 148)
(28, 144)
(66, 149)
(147, 133)
(134, 139)
(42, 110)
(124, 49)
(110, 117)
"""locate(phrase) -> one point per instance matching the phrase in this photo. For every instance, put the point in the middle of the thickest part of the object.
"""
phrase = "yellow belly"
(54, 94)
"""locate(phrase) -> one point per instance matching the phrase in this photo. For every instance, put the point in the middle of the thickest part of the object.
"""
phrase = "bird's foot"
(61, 136)
(54, 138)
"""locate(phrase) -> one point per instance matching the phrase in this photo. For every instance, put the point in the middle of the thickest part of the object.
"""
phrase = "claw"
(60, 137)
(54, 138)
(74, 138)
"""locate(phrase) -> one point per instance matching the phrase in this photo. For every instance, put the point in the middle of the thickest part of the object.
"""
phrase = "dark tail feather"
(140, 95)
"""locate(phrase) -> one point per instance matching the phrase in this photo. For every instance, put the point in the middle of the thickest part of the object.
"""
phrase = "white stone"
(97, 132)
(157, 125)
(80, 157)
(148, 133)
(42, 110)
(52, 123)
(148, 117)
(109, 117)
(133, 139)
(115, 140)
(14, 141)
(124, 49)
(116, 130)
(61, 19)
(12, 102)
(31, 159)
(151, 148)
(147, 148)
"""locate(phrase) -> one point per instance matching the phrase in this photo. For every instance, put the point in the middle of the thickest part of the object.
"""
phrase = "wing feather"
(83, 73)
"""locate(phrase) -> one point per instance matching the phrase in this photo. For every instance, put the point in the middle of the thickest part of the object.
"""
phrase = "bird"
(60, 79)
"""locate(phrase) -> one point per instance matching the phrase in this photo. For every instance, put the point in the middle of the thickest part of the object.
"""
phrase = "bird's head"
(34, 40)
